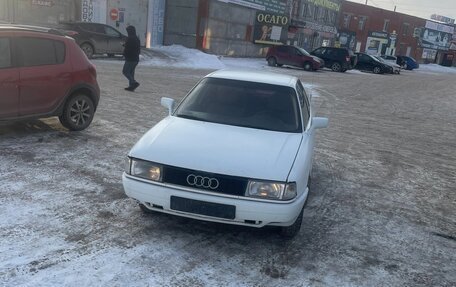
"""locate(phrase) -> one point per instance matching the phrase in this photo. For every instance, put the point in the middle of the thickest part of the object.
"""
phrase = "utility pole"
(394, 8)
(366, 2)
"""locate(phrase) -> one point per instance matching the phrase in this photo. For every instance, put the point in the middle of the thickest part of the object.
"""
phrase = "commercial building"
(146, 15)
(227, 27)
(314, 23)
(372, 30)
(364, 28)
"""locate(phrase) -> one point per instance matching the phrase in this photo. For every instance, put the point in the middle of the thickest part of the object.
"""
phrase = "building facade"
(376, 31)
(146, 15)
(314, 23)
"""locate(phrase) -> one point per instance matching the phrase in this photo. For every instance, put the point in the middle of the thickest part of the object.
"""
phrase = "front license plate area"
(203, 207)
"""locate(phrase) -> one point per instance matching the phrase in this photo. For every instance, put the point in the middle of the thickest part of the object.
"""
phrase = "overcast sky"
(420, 8)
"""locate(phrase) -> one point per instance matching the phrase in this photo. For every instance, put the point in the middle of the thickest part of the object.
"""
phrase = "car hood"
(218, 148)
(317, 59)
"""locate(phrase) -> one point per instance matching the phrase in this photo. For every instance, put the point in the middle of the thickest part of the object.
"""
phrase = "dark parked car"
(95, 38)
(408, 62)
(369, 63)
(43, 74)
(293, 56)
(337, 59)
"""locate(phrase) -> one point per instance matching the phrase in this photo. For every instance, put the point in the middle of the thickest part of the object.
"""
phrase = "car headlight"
(271, 190)
(144, 169)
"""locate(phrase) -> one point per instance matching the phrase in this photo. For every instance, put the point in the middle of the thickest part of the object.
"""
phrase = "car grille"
(211, 182)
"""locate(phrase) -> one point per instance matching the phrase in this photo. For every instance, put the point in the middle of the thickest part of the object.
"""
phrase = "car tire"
(78, 112)
(145, 210)
(291, 231)
(377, 70)
(88, 49)
(272, 62)
(336, 67)
(307, 66)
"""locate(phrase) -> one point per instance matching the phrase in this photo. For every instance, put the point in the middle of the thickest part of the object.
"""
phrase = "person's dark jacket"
(132, 46)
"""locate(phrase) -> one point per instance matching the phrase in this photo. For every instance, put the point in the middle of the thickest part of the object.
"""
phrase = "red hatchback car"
(45, 74)
(293, 56)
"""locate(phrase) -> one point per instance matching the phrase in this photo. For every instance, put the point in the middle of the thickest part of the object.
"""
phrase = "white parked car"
(238, 149)
(396, 67)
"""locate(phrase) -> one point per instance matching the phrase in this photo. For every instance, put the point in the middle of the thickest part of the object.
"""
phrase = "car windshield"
(244, 104)
(380, 59)
(303, 51)
(374, 58)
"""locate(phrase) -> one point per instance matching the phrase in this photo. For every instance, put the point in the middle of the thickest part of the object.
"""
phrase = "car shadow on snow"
(19, 128)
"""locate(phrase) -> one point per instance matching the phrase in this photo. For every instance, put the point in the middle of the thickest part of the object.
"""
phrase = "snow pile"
(436, 69)
(181, 57)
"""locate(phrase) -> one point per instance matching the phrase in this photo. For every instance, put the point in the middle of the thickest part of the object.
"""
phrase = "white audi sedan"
(237, 149)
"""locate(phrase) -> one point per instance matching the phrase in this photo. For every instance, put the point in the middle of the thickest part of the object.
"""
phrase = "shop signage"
(377, 42)
(326, 4)
(442, 19)
(43, 3)
(320, 27)
(93, 11)
(382, 35)
(273, 6)
(436, 36)
(270, 28)
(157, 23)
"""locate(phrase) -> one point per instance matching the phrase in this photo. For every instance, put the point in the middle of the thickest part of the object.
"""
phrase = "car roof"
(30, 28)
(255, 76)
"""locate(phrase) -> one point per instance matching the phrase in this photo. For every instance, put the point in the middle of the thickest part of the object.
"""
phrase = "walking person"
(131, 54)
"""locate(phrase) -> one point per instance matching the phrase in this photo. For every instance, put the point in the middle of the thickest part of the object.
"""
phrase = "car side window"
(304, 102)
(319, 51)
(282, 49)
(111, 32)
(40, 52)
(5, 53)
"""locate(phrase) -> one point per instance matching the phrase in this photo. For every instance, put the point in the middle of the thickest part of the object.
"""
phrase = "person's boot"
(135, 85)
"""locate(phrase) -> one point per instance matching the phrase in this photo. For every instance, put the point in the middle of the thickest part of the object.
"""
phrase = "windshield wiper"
(189, 117)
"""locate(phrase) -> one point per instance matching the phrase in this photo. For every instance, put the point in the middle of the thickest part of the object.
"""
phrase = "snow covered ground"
(381, 211)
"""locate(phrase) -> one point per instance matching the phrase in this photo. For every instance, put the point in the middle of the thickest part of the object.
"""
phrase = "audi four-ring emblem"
(202, 181)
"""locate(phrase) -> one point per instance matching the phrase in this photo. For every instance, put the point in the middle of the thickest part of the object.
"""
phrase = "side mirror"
(318, 123)
(168, 103)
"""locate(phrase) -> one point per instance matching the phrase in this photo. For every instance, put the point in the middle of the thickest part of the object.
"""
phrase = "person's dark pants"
(129, 72)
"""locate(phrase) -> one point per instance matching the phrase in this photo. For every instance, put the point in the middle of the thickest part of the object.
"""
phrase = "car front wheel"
(78, 112)
(336, 67)
(272, 62)
(88, 50)
(307, 66)
(377, 70)
(292, 230)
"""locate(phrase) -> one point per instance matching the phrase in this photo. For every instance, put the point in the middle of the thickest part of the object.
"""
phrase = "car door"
(9, 80)
(296, 57)
(283, 56)
(44, 74)
(306, 114)
(115, 40)
(363, 62)
(97, 35)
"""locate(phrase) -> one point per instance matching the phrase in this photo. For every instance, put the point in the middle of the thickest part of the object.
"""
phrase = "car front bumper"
(248, 212)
